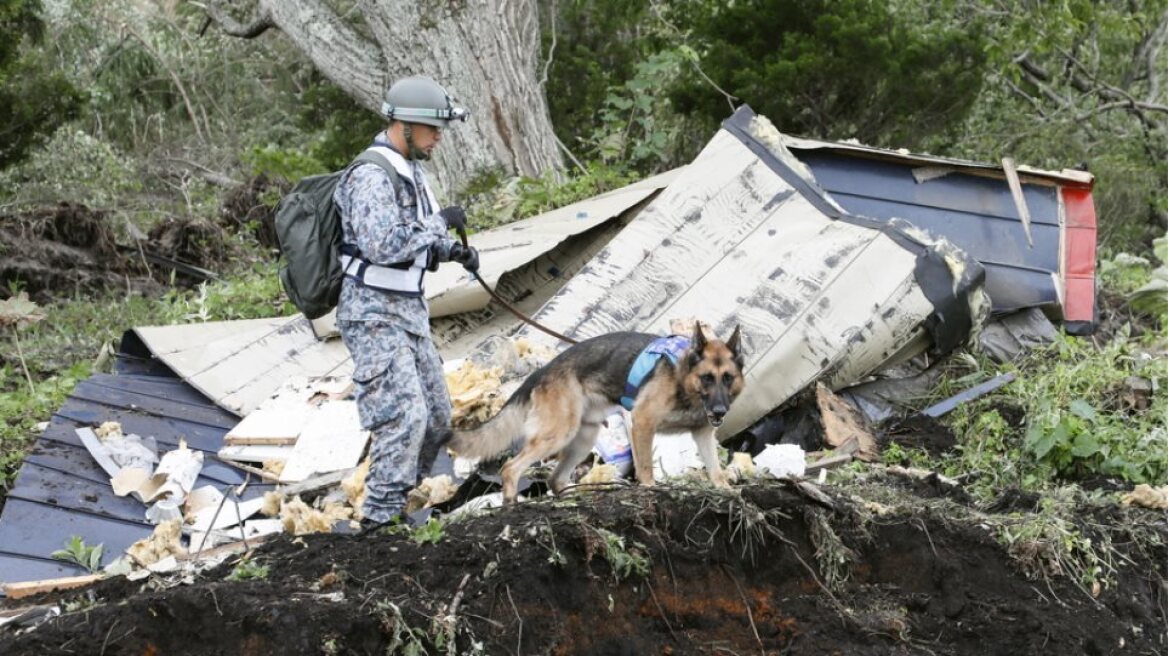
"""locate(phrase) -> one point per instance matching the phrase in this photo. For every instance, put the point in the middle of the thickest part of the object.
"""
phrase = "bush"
(884, 73)
(34, 98)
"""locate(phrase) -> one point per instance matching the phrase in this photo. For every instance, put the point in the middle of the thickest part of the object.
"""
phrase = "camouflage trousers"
(402, 398)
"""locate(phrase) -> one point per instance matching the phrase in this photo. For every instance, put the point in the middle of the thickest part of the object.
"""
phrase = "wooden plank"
(1019, 199)
(261, 453)
(332, 440)
(30, 588)
(232, 440)
(224, 549)
(229, 513)
(830, 462)
(96, 449)
(278, 418)
(315, 483)
(262, 474)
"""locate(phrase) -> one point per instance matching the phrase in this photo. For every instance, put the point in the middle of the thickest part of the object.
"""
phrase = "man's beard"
(412, 151)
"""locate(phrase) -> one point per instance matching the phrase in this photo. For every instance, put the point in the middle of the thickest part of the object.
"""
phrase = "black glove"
(454, 216)
(467, 256)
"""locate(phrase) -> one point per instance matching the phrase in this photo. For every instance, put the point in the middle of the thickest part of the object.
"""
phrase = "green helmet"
(419, 99)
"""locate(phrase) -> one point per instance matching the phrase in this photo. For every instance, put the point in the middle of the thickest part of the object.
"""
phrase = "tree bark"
(485, 52)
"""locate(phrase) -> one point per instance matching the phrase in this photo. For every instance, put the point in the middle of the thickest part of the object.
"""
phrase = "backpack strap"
(371, 156)
(405, 278)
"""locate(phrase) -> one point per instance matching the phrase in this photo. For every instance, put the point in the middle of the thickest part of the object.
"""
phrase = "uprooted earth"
(883, 561)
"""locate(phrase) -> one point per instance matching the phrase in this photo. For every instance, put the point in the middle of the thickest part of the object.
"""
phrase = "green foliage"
(34, 98)
(431, 532)
(343, 127)
(21, 409)
(1059, 75)
(79, 553)
(248, 570)
(1152, 296)
(72, 165)
(252, 294)
(1048, 543)
(155, 79)
(287, 164)
(625, 561)
(18, 19)
(1123, 273)
(885, 73)
(637, 128)
(598, 44)
(499, 201)
(1079, 423)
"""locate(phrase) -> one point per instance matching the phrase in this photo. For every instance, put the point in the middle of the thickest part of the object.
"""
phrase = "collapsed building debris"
(744, 235)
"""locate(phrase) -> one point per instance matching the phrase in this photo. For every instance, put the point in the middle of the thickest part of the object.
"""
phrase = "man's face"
(426, 138)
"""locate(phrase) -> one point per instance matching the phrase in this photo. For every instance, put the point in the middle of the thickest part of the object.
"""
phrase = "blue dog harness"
(670, 347)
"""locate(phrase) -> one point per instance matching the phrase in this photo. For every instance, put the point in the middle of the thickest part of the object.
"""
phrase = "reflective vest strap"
(391, 279)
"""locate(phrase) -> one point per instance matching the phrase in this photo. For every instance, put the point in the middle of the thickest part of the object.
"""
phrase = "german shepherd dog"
(558, 410)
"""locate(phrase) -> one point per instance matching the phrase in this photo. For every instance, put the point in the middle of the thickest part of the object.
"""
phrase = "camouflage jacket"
(388, 228)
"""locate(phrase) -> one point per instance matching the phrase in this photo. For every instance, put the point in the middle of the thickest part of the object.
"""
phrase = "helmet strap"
(412, 151)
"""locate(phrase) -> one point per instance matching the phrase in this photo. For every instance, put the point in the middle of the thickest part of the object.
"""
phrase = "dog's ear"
(699, 338)
(735, 346)
(694, 357)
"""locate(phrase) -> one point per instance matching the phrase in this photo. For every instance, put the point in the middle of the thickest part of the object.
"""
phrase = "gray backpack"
(308, 227)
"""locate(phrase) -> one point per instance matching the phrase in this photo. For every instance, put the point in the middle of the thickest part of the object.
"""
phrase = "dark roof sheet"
(61, 491)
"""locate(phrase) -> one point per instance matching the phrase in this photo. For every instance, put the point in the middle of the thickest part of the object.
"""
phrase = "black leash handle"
(522, 317)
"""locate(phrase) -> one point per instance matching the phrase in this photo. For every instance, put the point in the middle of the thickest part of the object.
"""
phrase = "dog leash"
(522, 317)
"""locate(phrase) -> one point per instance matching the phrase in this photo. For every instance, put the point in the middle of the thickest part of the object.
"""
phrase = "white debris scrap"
(781, 460)
(613, 440)
(674, 455)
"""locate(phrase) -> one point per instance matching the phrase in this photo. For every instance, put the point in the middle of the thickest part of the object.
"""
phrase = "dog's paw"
(720, 480)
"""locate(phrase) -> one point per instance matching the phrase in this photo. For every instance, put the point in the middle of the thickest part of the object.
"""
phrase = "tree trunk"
(485, 52)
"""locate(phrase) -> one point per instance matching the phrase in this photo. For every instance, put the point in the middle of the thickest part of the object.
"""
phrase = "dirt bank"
(629, 571)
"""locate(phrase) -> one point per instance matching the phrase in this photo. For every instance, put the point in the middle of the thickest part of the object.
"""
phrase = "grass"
(1081, 419)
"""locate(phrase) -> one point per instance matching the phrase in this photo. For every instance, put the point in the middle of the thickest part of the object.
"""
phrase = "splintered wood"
(308, 427)
(842, 426)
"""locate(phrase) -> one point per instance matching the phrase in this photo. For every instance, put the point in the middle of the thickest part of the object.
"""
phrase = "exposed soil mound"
(61, 251)
(249, 208)
(192, 240)
(632, 571)
(920, 432)
(70, 250)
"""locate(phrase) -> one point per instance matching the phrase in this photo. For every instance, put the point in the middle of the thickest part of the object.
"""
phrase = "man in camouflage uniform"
(396, 226)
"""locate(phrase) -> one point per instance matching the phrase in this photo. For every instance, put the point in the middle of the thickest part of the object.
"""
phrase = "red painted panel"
(1079, 255)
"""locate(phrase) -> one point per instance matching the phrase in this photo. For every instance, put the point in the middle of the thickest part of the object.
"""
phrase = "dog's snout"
(719, 411)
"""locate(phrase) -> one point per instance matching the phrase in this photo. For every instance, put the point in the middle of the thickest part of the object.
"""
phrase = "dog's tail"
(493, 437)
